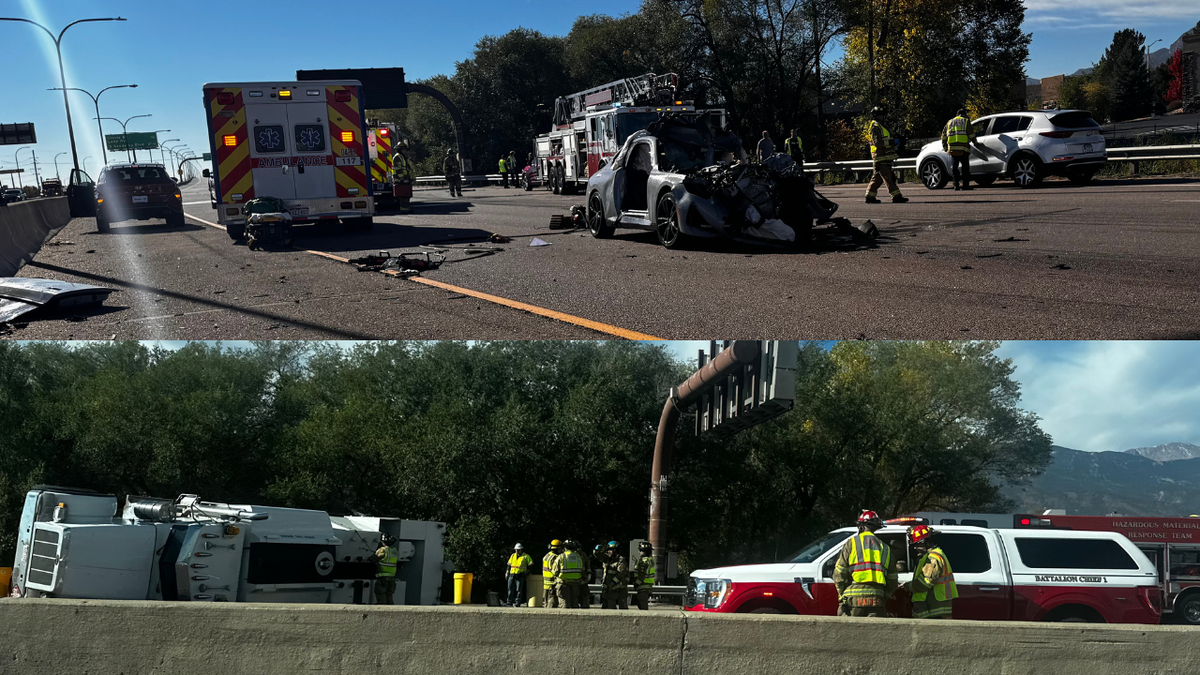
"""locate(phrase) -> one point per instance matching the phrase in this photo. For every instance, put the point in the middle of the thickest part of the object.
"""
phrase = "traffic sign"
(8, 171)
(208, 156)
(754, 393)
(17, 134)
(382, 87)
(135, 141)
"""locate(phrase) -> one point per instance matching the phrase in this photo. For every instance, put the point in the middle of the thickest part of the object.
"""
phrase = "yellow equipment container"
(5, 580)
(462, 587)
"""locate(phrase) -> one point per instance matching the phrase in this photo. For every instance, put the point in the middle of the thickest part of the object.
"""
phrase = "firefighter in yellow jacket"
(645, 574)
(568, 576)
(957, 138)
(883, 153)
(865, 573)
(549, 599)
(932, 586)
(402, 178)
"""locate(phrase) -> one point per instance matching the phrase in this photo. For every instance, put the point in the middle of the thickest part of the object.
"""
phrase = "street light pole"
(171, 154)
(56, 174)
(125, 133)
(156, 132)
(162, 150)
(62, 73)
(17, 159)
(85, 159)
(96, 100)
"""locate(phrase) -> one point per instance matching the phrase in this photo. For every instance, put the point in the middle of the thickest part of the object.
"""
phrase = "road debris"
(20, 296)
(269, 223)
(539, 242)
(499, 239)
(405, 264)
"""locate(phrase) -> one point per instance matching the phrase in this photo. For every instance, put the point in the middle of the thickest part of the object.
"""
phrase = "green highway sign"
(133, 141)
(208, 156)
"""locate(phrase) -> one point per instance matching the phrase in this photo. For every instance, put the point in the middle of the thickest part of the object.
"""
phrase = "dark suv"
(137, 192)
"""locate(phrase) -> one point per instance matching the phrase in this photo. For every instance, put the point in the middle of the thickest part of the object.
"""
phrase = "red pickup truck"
(1019, 575)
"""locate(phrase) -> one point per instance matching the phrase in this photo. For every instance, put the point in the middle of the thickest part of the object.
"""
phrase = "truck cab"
(1001, 575)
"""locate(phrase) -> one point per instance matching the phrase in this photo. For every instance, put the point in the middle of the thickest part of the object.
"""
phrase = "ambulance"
(303, 143)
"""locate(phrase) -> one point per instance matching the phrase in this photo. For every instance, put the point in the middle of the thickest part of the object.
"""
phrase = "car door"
(984, 592)
(1000, 142)
(270, 161)
(81, 195)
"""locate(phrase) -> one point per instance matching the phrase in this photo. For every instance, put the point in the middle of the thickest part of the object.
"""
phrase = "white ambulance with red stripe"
(1002, 575)
(301, 142)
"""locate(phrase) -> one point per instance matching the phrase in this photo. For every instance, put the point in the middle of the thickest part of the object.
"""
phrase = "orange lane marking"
(512, 304)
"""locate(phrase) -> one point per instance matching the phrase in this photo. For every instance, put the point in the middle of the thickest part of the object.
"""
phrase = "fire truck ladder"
(643, 89)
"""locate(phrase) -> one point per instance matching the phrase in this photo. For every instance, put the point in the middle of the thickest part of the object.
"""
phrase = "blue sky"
(1091, 395)
(171, 48)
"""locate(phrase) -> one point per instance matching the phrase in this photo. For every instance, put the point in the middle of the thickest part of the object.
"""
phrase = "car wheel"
(1188, 611)
(1026, 172)
(1081, 178)
(599, 228)
(236, 232)
(983, 181)
(666, 223)
(933, 174)
(102, 224)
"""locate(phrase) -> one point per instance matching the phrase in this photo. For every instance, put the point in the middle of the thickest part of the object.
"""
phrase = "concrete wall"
(25, 226)
(78, 636)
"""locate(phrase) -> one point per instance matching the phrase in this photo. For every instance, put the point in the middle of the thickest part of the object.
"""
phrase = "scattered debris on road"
(577, 220)
(269, 224)
(405, 264)
(499, 239)
(21, 296)
(539, 242)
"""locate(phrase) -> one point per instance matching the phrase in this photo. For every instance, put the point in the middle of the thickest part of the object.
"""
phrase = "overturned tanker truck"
(75, 544)
(688, 178)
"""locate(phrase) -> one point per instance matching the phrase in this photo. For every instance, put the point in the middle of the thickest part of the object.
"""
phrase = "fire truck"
(380, 139)
(300, 142)
(1172, 544)
(590, 126)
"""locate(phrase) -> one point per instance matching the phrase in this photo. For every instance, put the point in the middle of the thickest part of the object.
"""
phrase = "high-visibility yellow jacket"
(883, 149)
(644, 573)
(401, 169)
(568, 568)
(519, 563)
(865, 573)
(957, 136)
(548, 568)
(388, 561)
(502, 169)
(933, 573)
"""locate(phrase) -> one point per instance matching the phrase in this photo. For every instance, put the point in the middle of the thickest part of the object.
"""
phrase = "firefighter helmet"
(613, 545)
(920, 534)
(645, 546)
(555, 543)
(870, 519)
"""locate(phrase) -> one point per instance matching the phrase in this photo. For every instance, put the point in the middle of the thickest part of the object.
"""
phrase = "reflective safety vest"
(502, 169)
(547, 568)
(518, 563)
(957, 138)
(647, 573)
(869, 559)
(888, 151)
(572, 567)
(388, 563)
(401, 169)
(943, 587)
(793, 146)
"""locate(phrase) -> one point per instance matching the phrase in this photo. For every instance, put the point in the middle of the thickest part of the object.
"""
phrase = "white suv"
(1025, 146)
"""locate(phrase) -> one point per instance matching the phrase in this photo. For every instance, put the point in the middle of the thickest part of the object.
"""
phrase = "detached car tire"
(933, 174)
(597, 226)
(1026, 171)
(667, 226)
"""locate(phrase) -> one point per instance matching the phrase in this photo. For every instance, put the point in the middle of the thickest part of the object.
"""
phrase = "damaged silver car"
(690, 179)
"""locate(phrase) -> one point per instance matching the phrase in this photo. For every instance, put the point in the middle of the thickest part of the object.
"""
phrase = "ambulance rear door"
(312, 158)
(270, 146)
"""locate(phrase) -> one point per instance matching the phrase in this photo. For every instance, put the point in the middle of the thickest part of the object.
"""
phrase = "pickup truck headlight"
(709, 592)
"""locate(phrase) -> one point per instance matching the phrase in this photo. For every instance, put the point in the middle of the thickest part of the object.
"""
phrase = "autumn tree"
(1122, 71)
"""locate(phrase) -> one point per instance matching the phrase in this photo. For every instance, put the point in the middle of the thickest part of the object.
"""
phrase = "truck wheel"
(236, 232)
(1188, 610)
(599, 228)
(526, 184)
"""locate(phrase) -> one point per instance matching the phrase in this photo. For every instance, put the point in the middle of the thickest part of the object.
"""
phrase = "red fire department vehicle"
(1002, 575)
(1171, 544)
(591, 125)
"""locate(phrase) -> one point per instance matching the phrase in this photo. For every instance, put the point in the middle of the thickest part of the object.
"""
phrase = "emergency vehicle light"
(1024, 521)
(341, 96)
(383, 132)
(230, 141)
(347, 136)
(285, 93)
(225, 98)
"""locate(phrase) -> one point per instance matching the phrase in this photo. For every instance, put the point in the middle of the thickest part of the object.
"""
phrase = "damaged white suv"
(1025, 146)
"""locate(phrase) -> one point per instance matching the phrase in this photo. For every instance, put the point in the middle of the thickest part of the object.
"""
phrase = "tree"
(1174, 94)
(1122, 71)
(427, 126)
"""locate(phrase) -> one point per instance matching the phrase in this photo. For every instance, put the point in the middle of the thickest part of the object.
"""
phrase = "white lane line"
(191, 203)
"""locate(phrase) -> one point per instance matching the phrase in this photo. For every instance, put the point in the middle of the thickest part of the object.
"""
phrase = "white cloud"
(1142, 10)
(1111, 395)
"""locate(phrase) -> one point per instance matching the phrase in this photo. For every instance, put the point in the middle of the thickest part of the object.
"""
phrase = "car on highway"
(688, 179)
(13, 195)
(136, 192)
(1025, 146)
(1002, 575)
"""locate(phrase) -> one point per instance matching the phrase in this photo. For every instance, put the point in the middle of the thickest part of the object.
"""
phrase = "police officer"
(865, 573)
(794, 147)
(614, 584)
(387, 561)
(957, 138)
(549, 598)
(932, 586)
(883, 153)
(644, 575)
(402, 178)
(453, 173)
(518, 570)
(568, 576)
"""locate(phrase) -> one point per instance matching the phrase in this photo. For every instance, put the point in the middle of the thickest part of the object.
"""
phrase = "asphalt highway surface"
(1118, 259)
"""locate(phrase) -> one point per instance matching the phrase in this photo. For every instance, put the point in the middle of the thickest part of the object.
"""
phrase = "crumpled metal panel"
(11, 309)
(19, 295)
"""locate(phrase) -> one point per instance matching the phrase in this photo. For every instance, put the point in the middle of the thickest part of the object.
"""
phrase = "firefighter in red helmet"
(932, 586)
(865, 574)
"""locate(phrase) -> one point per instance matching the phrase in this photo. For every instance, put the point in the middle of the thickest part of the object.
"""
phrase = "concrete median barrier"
(25, 227)
(51, 636)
